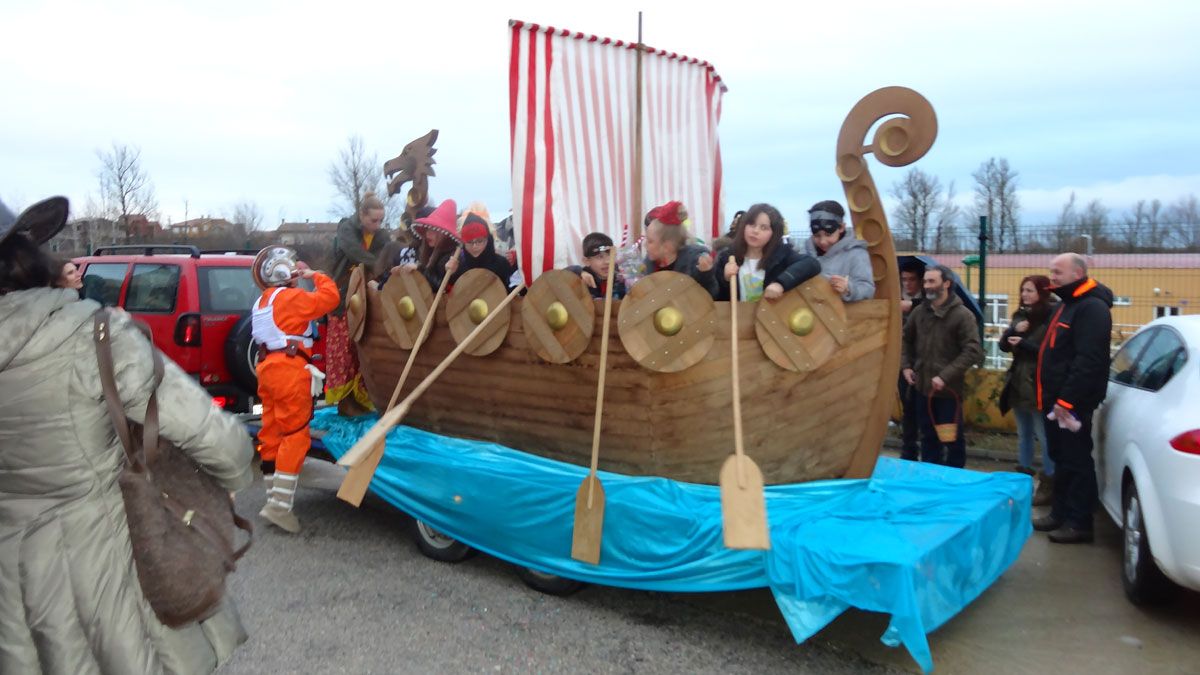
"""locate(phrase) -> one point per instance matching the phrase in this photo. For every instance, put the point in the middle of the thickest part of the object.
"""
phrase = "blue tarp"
(915, 541)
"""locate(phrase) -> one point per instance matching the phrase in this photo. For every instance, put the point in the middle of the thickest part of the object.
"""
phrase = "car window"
(1162, 358)
(102, 282)
(152, 288)
(1124, 364)
(227, 290)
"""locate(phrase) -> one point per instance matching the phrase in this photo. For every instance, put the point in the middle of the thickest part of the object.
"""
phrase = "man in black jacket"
(1072, 378)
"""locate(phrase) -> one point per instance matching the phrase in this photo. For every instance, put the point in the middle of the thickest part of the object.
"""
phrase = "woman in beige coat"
(69, 595)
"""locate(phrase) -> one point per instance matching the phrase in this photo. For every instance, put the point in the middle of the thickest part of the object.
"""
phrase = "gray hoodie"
(847, 258)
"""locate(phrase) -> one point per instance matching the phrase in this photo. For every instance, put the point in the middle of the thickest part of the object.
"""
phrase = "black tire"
(438, 546)
(549, 584)
(1144, 583)
(241, 356)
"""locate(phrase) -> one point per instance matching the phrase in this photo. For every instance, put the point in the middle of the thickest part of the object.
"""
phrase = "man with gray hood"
(941, 342)
(844, 260)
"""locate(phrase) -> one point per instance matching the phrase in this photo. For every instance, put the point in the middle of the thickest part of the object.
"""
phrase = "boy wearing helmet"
(279, 321)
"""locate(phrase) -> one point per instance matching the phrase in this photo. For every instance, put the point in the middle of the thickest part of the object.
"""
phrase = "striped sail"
(572, 108)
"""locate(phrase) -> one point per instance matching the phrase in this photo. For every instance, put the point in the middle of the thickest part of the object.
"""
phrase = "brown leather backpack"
(182, 524)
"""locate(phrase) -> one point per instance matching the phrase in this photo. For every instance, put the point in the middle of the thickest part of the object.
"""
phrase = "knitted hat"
(442, 219)
(667, 214)
(474, 227)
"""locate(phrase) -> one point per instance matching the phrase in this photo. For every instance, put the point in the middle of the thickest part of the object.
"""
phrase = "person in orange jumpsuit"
(280, 319)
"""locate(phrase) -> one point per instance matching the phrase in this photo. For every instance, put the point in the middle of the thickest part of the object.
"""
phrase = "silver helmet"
(275, 266)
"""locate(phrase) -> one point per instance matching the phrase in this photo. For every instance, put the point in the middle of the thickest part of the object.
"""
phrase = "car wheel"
(1144, 583)
(438, 546)
(241, 356)
(549, 584)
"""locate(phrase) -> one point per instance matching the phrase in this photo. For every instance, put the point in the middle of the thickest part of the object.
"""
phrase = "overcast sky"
(251, 100)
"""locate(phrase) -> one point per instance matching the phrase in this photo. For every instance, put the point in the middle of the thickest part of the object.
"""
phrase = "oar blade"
(589, 521)
(358, 478)
(743, 506)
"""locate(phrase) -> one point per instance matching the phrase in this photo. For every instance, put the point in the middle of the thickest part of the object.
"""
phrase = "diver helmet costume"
(275, 266)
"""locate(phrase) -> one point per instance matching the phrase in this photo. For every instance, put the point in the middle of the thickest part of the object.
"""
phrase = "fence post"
(983, 239)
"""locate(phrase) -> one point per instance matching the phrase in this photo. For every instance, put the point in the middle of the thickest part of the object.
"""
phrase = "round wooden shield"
(356, 303)
(801, 330)
(406, 293)
(673, 301)
(559, 315)
(463, 312)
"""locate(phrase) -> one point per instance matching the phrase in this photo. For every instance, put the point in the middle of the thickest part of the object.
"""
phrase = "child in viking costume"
(280, 321)
(439, 235)
(479, 251)
(844, 259)
(667, 247)
(359, 241)
(597, 251)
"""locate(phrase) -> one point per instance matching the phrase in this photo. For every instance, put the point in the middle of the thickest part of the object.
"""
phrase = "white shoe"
(281, 517)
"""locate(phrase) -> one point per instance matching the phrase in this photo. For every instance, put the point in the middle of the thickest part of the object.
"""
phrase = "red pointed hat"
(443, 218)
(667, 214)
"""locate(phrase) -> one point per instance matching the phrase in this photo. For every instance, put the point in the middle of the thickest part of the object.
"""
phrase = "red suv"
(197, 304)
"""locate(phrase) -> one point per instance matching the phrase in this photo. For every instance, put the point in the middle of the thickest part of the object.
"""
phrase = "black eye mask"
(826, 226)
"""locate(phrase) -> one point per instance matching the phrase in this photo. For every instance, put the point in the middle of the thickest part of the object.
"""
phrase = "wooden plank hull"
(798, 426)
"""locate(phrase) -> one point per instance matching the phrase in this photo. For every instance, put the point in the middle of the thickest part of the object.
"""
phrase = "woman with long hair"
(1022, 339)
(359, 241)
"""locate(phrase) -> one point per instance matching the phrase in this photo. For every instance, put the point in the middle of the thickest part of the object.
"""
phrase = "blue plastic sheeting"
(915, 541)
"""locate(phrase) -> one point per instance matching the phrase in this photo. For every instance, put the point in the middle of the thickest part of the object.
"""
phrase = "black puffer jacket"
(1075, 354)
(488, 260)
(786, 266)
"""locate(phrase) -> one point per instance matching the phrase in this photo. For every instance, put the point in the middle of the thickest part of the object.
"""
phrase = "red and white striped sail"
(572, 108)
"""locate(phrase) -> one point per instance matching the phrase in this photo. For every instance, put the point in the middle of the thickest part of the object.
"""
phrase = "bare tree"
(125, 188)
(945, 234)
(1094, 221)
(353, 174)
(1184, 216)
(1066, 228)
(247, 216)
(996, 198)
(920, 197)
(1133, 227)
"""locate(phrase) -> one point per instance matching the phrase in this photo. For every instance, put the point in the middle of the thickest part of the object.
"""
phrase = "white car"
(1147, 436)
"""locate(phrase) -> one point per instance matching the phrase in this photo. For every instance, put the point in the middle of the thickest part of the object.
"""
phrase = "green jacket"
(348, 251)
(941, 342)
(69, 596)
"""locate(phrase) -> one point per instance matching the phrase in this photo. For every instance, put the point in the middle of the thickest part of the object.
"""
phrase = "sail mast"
(635, 221)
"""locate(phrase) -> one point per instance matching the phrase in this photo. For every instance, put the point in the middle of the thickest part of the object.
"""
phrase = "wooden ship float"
(817, 375)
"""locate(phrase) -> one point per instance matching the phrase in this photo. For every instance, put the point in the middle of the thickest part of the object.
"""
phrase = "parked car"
(1147, 436)
(197, 304)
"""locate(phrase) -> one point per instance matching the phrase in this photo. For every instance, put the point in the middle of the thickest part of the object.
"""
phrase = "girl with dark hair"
(844, 259)
(1023, 339)
(766, 267)
(70, 599)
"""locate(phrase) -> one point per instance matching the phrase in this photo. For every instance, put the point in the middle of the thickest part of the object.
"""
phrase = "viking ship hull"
(818, 377)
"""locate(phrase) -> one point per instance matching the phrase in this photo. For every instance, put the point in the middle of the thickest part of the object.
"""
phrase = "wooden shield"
(642, 339)
(400, 289)
(356, 303)
(569, 341)
(478, 284)
(802, 353)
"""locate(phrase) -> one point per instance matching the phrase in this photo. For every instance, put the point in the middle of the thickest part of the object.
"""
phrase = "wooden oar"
(589, 500)
(354, 485)
(370, 443)
(743, 505)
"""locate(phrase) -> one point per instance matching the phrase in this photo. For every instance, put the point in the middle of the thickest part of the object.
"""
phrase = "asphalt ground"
(352, 594)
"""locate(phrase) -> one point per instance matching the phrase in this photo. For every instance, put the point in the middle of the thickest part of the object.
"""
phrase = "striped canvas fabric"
(572, 104)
